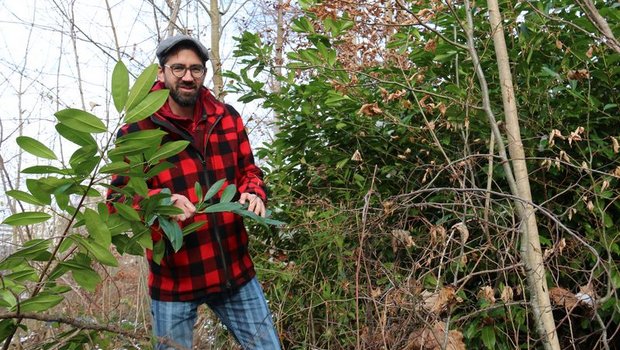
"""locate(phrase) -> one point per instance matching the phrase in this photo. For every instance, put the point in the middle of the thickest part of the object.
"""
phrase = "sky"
(41, 66)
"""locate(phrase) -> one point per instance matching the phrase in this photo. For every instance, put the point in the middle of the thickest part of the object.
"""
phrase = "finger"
(243, 198)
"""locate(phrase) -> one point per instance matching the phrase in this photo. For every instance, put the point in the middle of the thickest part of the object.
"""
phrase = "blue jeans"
(244, 312)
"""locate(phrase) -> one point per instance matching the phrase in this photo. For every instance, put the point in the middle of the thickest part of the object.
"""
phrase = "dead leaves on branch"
(436, 338)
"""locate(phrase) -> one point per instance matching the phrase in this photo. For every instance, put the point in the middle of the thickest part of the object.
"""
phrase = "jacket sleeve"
(251, 176)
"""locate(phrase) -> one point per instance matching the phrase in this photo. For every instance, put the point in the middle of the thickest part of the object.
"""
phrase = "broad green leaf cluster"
(389, 179)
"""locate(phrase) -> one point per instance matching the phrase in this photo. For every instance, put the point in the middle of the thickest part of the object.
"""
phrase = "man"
(213, 266)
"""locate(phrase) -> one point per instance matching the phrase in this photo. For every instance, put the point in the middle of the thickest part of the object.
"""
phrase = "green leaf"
(488, 337)
(168, 210)
(151, 104)
(167, 150)
(38, 190)
(24, 197)
(159, 168)
(152, 136)
(141, 87)
(26, 218)
(28, 274)
(139, 185)
(31, 249)
(173, 232)
(7, 327)
(198, 191)
(127, 211)
(97, 229)
(80, 120)
(39, 303)
(159, 249)
(120, 85)
(214, 189)
(114, 168)
(220, 207)
(193, 227)
(228, 193)
(45, 169)
(87, 278)
(99, 252)
(35, 147)
(77, 137)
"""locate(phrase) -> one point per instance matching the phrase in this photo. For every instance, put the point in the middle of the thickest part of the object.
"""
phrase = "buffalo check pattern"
(214, 258)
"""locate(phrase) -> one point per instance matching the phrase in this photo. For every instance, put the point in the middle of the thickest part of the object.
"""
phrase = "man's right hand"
(181, 202)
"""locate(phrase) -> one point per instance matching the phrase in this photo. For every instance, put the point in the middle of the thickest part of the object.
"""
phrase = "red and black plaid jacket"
(214, 258)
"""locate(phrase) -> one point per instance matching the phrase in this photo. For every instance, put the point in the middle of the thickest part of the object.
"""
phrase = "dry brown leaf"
(442, 109)
(553, 134)
(562, 297)
(558, 44)
(616, 145)
(403, 237)
(462, 228)
(579, 74)
(357, 156)
(576, 135)
(438, 234)
(370, 109)
(487, 293)
(437, 302)
(605, 185)
(507, 294)
(430, 46)
(590, 52)
(435, 339)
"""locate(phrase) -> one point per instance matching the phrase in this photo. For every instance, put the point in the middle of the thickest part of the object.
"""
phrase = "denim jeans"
(244, 312)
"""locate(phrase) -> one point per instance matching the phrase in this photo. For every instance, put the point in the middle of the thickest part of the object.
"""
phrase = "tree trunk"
(530, 244)
(216, 61)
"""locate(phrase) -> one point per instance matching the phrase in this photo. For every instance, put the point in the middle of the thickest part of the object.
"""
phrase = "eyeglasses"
(179, 70)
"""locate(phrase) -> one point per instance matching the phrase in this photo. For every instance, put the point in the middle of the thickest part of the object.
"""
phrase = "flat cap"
(166, 45)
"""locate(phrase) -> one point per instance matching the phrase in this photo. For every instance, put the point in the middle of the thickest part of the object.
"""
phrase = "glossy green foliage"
(378, 167)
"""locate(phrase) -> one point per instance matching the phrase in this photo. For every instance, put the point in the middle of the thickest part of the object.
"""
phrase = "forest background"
(447, 170)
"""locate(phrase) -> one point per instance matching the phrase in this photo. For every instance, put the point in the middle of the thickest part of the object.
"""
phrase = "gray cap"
(166, 45)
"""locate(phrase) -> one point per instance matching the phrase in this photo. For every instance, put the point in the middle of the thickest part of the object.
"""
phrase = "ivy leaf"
(120, 85)
(26, 218)
(35, 147)
(80, 120)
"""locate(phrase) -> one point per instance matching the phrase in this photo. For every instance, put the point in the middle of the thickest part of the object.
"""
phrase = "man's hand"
(181, 202)
(255, 204)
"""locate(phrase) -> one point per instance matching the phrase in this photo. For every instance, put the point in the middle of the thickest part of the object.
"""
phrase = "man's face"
(185, 90)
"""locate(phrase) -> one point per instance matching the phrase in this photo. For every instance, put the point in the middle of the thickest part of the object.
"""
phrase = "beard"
(183, 99)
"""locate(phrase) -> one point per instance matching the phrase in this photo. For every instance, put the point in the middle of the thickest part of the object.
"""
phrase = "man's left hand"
(255, 203)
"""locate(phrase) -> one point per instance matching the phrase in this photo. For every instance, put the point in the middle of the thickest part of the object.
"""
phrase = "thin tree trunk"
(600, 23)
(530, 243)
(174, 13)
(216, 61)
